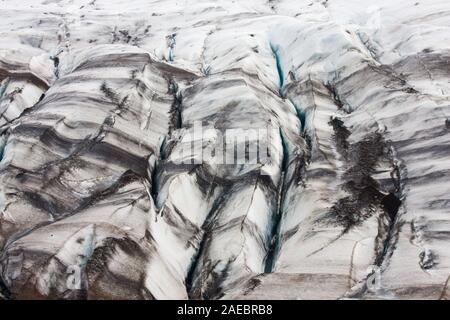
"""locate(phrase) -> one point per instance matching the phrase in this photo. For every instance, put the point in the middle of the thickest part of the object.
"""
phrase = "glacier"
(108, 192)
